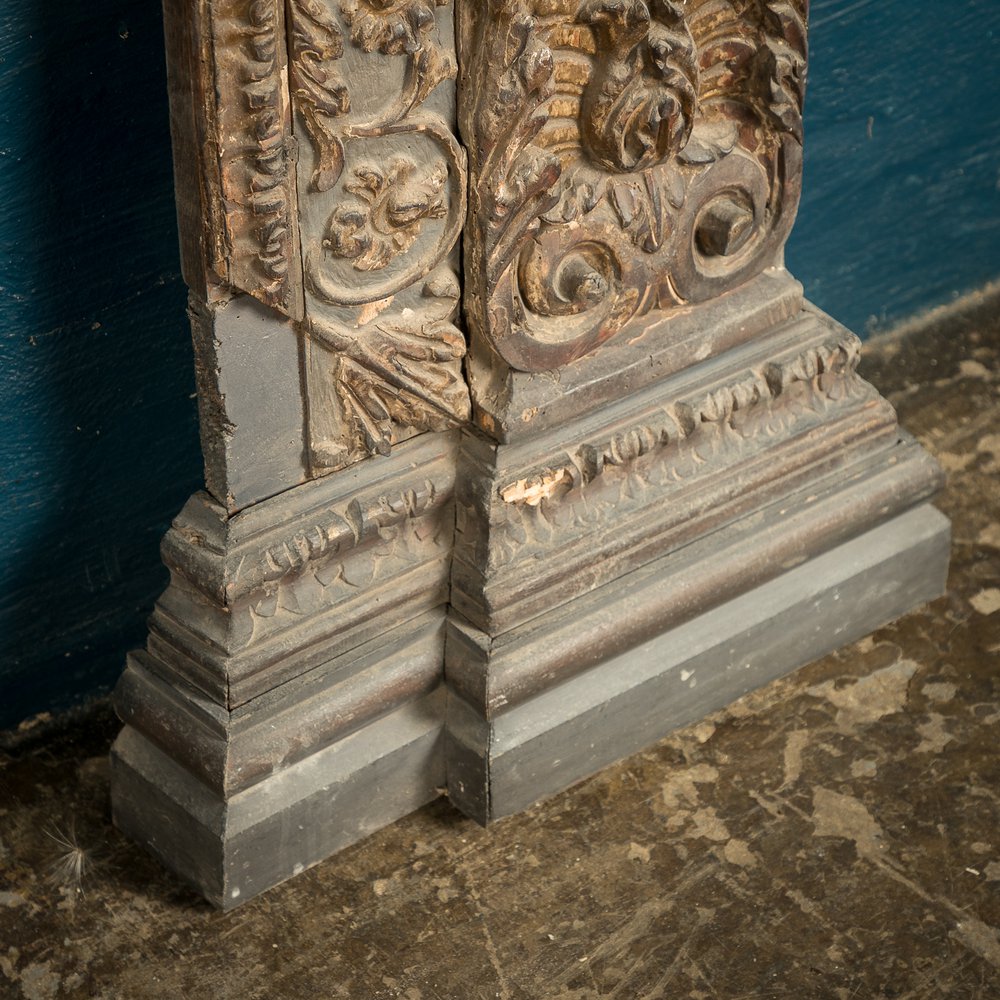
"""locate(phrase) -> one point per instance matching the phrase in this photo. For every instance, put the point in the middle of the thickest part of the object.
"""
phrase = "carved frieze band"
(690, 438)
(268, 593)
(625, 155)
(229, 574)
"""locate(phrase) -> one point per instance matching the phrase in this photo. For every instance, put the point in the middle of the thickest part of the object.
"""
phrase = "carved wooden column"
(676, 487)
(290, 697)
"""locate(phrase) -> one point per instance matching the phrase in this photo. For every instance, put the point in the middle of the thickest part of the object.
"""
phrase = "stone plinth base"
(290, 699)
(623, 569)
(231, 849)
(504, 763)
(505, 617)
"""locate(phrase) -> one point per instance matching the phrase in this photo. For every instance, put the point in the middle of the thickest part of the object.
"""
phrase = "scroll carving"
(330, 185)
(382, 204)
(625, 155)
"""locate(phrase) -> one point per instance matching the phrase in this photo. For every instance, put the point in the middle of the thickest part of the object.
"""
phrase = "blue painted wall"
(98, 439)
(98, 436)
(901, 199)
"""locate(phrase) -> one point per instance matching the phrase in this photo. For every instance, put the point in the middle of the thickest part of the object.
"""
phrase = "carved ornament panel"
(381, 178)
(625, 156)
(342, 200)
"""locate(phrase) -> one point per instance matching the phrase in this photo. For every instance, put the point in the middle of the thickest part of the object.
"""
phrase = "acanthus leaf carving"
(639, 105)
(515, 79)
(394, 27)
(248, 193)
(693, 438)
(403, 28)
(399, 369)
(333, 580)
(327, 543)
(320, 93)
(626, 155)
(269, 200)
(786, 48)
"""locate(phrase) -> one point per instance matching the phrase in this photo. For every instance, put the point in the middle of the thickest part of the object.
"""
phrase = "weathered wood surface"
(250, 404)
(231, 751)
(661, 423)
(381, 181)
(544, 520)
(321, 197)
(511, 405)
(318, 171)
(262, 597)
(498, 671)
(231, 849)
(625, 157)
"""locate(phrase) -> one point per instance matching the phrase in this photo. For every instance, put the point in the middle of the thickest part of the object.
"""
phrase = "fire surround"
(490, 520)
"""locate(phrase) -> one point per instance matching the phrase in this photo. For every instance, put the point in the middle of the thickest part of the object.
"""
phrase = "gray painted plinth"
(539, 747)
(232, 849)
(249, 400)
(290, 698)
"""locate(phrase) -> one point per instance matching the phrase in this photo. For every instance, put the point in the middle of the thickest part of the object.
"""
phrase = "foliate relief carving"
(621, 474)
(638, 106)
(251, 216)
(397, 369)
(407, 29)
(391, 26)
(316, 43)
(232, 561)
(382, 203)
(625, 155)
(395, 203)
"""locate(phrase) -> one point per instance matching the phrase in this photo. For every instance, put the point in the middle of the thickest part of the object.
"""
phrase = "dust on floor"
(834, 835)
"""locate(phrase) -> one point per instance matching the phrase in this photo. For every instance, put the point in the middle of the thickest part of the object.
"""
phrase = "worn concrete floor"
(835, 835)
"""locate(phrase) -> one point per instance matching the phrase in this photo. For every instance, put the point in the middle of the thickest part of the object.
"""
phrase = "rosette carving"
(395, 27)
(626, 155)
(396, 202)
(397, 213)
